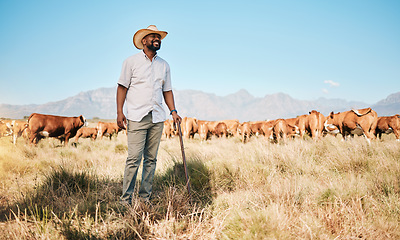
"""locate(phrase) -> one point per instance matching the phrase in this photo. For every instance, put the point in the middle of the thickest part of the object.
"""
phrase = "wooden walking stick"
(184, 161)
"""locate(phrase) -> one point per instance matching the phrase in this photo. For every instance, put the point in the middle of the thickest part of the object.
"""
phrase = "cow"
(4, 129)
(245, 131)
(169, 129)
(206, 129)
(189, 127)
(256, 128)
(390, 124)
(313, 123)
(212, 125)
(217, 128)
(232, 126)
(63, 128)
(17, 128)
(261, 128)
(107, 129)
(354, 121)
(220, 130)
(282, 130)
(300, 122)
(203, 130)
(267, 128)
(86, 132)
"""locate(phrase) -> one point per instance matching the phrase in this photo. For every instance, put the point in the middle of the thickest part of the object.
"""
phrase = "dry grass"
(329, 189)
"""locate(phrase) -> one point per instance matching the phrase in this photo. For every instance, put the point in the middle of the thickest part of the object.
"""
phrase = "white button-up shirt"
(146, 81)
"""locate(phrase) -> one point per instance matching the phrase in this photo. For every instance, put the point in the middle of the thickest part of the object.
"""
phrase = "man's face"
(152, 41)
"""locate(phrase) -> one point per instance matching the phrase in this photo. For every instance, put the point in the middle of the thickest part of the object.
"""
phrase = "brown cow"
(169, 128)
(388, 125)
(212, 125)
(63, 128)
(351, 122)
(4, 129)
(245, 131)
(256, 128)
(208, 128)
(189, 127)
(232, 126)
(86, 132)
(203, 130)
(220, 130)
(282, 130)
(267, 128)
(261, 128)
(313, 124)
(217, 128)
(107, 129)
(17, 128)
(300, 122)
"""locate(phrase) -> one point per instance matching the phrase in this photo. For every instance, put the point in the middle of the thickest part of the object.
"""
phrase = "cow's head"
(329, 123)
(4, 129)
(18, 128)
(9, 129)
(83, 119)
(240, 129)
(245, 128)
(332, 129)
(268, 129)
(293, 130)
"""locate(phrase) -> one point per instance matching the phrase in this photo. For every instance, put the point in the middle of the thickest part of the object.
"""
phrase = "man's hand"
(121, 120)
(176, 117)
(121, 95)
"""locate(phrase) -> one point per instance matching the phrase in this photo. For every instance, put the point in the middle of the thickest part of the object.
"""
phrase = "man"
(144, 82)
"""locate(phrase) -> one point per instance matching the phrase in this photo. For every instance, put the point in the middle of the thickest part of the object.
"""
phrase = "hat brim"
(139, 35)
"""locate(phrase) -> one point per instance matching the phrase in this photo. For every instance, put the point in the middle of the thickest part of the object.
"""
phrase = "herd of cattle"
(354, 122)
(41, 126)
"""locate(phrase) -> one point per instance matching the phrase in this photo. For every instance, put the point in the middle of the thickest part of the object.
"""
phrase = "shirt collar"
(144, 54)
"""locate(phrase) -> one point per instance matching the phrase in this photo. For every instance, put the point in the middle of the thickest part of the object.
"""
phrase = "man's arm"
(121, 95)
(169, 100)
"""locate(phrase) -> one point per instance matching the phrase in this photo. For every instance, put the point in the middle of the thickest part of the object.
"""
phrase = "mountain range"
(100, 103)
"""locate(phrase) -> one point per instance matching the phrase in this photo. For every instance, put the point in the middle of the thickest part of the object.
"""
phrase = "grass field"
(330, 189)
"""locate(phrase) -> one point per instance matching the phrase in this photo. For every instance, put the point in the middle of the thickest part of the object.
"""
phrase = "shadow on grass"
(199, 178)
(65, 190)
(67, 197)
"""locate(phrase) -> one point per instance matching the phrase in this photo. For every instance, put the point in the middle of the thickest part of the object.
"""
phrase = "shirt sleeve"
(167, 83)
(126, 74)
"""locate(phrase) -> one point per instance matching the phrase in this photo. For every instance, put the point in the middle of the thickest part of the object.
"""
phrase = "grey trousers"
(143, 141)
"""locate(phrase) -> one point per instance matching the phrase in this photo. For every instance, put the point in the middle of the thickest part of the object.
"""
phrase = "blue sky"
(51, 50)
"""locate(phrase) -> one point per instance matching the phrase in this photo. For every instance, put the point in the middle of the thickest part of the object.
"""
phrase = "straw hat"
(140, 34)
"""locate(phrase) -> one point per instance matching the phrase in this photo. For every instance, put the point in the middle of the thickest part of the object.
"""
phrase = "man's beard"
(154, 48)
